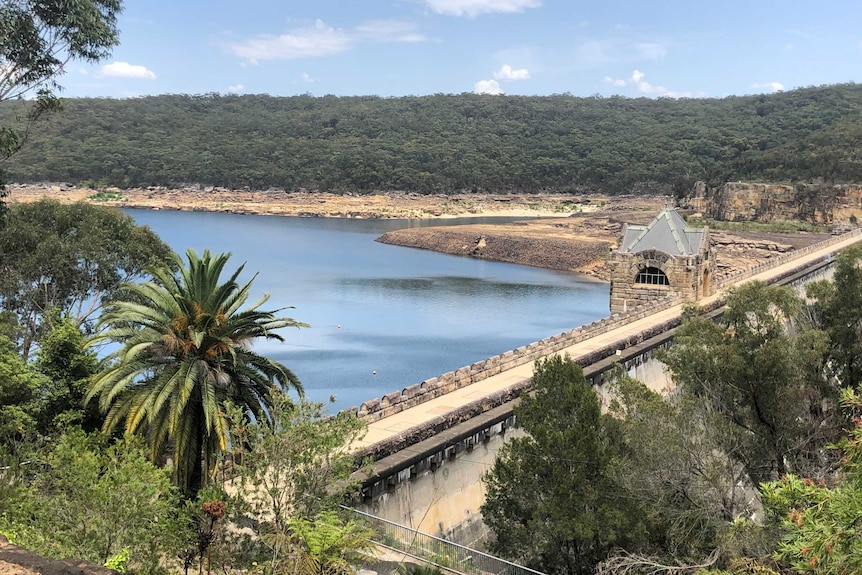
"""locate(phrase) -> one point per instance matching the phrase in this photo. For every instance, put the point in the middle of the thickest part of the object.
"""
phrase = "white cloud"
(488, 87)
(593, 53)
(651, 51)
(389, 31)
(471, 8)
(307, 78)
(645, 87)
(126, 70)
(235, 89)
(769, 86)
(308, 42)
(637, 81)
(322, 40)
(506, 72)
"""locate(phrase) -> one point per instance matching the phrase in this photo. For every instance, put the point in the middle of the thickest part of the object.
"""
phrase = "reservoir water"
(406, 314)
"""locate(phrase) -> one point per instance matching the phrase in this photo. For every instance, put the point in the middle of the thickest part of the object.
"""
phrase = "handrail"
(441, 553)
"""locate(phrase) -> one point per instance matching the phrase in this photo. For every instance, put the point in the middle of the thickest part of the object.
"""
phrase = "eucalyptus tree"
(37, 39)
(68, 257)
(184, 355)
(764, 380)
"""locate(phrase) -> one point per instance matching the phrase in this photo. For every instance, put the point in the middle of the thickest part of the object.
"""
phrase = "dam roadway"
(414, 432)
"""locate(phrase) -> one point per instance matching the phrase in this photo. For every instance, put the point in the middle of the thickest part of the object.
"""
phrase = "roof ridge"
(648, 227)
(668, 232)
(683, 246)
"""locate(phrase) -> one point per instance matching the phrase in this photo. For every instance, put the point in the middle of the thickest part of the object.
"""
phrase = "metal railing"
(448, 556)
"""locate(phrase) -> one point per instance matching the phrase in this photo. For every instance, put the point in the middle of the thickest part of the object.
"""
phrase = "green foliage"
(20, 401)
(450, 143)
(838, 310)
(783, 227)
(327, 545)
(184, 355)
(106, 196)
(690, 491)
(414, 569)
(68, 257)
(118, 562)
(40, 399)
(37, 39)
(89, 500)
(295, 467)
(766, 384)
(69, 368)
(551, 499)
(821, 521)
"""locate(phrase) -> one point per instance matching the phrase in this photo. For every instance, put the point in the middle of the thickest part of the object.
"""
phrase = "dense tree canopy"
(84, 499)
(836, 307)
(446, 143)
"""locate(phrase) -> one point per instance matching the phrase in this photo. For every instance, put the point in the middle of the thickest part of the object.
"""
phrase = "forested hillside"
(447, 143)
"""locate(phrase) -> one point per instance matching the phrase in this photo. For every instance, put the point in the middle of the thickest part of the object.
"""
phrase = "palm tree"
(184, 353)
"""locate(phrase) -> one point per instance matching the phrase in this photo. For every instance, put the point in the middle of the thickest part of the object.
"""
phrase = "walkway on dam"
(394, 425)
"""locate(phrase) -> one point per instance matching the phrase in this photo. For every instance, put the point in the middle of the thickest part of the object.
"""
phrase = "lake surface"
(406, 314)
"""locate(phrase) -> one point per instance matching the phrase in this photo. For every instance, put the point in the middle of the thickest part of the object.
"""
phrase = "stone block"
(370, 406)
(390, 399)
(411, 391)
(462, 376)
(431, 384)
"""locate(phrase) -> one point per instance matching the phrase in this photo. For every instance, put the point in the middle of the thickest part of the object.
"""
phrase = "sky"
(634, 48)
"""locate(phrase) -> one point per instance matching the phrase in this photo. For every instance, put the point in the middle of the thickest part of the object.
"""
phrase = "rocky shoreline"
(303, 203)
(560, 232)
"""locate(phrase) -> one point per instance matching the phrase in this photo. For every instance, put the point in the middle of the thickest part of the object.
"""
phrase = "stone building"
(663, 258)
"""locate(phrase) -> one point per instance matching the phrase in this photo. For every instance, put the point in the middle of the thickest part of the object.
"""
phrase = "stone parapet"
(416, 394)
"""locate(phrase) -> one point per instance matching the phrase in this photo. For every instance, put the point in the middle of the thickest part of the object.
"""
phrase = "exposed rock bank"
(499, 243)
(817, 204)
(399, 205)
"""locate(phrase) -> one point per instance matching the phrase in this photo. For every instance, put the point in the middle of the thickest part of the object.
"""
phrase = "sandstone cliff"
(816, 204)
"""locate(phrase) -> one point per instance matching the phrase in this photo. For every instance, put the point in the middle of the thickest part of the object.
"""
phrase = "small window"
(652, 276)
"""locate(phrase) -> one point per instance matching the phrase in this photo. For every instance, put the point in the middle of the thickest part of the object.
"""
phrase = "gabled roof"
(668, 233)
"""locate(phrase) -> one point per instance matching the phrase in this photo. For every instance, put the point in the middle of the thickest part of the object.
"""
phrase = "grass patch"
(106, 197)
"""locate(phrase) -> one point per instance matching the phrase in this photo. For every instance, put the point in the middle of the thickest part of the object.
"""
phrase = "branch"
(632, 564)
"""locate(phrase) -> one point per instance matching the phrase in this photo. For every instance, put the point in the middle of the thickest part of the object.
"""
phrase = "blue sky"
(652, 48)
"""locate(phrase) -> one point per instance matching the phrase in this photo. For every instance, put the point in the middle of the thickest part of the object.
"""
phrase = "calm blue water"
(405, 313)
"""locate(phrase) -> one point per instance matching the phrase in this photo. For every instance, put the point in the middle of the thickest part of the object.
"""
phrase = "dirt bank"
(559, 244)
